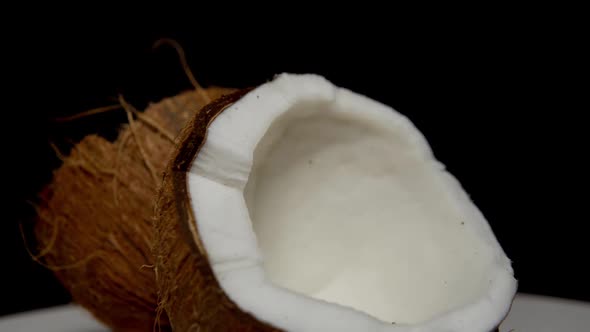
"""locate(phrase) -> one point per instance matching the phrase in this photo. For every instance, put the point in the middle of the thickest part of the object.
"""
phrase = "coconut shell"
(189, 291)
(94, 226)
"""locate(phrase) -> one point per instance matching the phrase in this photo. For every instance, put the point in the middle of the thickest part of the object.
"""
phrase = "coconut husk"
(94, 226)
(189, 291)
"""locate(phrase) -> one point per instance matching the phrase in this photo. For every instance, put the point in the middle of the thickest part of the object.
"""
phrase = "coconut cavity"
(322, 210)
(347, 211)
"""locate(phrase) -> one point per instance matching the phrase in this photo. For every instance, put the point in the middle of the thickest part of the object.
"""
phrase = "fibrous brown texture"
(190, 294)
(95, 218)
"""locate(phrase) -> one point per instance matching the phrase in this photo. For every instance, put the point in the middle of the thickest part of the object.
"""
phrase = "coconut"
(95, 217)
(302, 206)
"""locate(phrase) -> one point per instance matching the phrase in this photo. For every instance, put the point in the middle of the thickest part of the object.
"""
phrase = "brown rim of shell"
(174, 215)
(190, 142)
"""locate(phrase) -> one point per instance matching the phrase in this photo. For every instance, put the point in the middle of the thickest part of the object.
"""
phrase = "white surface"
(545, 314)
(530, 313)
(68, 318)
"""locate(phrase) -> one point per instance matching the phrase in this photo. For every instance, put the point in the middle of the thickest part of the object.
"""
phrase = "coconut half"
(308, 207)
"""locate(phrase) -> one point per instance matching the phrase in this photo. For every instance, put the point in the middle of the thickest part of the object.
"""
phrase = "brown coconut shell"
(189, 291)
(94, 224)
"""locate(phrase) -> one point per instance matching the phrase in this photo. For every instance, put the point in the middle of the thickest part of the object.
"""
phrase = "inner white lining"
(375, 224)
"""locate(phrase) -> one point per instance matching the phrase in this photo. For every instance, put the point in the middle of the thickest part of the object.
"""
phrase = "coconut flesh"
(322, 210)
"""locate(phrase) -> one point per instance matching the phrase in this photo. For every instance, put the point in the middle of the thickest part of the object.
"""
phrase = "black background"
(494, 103)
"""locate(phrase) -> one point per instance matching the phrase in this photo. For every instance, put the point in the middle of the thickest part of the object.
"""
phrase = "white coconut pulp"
(323, 210)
